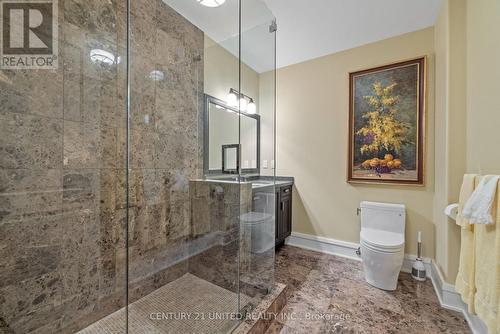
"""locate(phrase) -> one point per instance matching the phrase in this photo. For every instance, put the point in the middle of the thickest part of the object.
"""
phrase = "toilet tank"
(383, 216)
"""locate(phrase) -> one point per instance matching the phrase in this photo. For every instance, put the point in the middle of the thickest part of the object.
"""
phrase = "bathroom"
(216, 166)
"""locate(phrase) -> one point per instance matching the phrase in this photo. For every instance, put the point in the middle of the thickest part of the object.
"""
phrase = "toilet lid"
(382, 239)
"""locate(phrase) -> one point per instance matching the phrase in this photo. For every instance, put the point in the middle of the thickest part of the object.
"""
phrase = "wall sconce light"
(244, 102)
(232, 98)
(251, 108)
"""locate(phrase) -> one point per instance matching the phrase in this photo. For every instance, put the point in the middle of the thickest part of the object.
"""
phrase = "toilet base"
(383, 286)
(382, 269)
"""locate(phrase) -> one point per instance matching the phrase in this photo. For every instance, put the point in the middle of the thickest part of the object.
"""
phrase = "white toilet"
(260, 225)
(382, 241)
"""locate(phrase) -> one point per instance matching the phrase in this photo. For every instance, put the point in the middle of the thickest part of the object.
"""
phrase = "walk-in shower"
(111, 221)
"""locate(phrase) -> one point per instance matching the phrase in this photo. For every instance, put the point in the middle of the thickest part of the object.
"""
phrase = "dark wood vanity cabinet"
(283, 213)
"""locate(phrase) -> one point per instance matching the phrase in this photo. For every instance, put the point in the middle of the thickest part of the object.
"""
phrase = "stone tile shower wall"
(166, 143)
(63, 158)
(219, 248)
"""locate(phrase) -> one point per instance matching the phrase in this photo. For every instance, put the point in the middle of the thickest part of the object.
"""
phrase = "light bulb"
(156, 75)
(103, 56)
(251, 108)
(231, 99)
(243, 104)
(211, 3)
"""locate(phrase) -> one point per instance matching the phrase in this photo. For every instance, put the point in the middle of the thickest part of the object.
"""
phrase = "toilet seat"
(382, 241)
(253, 218)
(258, 227)
(382, 253)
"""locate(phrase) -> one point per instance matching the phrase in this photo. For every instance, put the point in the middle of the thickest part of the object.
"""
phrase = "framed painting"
(386, 124)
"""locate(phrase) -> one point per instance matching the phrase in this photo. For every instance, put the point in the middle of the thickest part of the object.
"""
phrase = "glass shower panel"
(108, 221)
(182, 227)
(258, 30)
(62, 190)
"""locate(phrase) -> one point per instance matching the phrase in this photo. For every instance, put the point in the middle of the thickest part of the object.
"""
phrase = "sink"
(257, 184)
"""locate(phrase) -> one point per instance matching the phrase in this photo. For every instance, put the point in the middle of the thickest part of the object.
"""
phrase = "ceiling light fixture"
(156, 75)
(103, 56)
(211, 3)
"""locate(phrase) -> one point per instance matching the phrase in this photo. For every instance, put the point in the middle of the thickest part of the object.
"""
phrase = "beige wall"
(450, 121)
(467, 109)
(442, 53)
(221, 73)
(456, 127)
(483, 77)
(312, 125)
(267, 114)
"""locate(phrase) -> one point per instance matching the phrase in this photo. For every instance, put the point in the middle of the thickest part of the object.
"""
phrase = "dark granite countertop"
(265, 181)
(259, 181)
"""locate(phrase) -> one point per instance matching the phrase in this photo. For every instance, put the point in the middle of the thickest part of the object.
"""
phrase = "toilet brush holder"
(418, 269)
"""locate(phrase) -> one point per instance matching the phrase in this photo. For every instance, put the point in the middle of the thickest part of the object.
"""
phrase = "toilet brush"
(418, 269)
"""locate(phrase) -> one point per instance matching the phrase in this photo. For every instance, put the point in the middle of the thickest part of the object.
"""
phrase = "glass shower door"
(109, 220)
(62, 190)
(182, 227)
(258, 33)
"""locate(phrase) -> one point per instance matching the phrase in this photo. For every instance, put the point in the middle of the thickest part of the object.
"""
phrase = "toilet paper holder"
(451, 211)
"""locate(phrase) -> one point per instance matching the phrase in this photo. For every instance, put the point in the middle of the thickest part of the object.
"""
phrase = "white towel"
(478, 207)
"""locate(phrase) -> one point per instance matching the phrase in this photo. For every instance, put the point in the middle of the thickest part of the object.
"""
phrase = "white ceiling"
(221, 24)
(307, 29)
(312, 28)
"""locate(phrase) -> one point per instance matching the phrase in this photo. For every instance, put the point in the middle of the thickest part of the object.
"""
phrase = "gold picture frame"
(387, 109)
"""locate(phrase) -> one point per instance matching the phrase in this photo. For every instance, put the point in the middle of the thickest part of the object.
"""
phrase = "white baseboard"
(448, 297)
(343, 249)
(445, 292)
(324, 245)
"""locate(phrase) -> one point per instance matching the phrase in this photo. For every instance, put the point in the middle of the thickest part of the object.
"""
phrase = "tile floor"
(328, 294)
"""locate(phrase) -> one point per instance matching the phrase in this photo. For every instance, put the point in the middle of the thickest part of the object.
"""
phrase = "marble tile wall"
(166, 143)
(215, 212)
(227, 259)
(63, 158)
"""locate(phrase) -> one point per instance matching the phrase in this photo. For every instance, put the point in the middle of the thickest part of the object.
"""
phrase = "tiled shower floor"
(187, 305)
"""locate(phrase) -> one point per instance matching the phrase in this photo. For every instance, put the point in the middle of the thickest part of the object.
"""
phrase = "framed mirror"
(222, 130)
